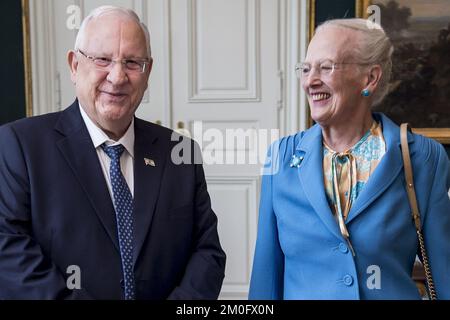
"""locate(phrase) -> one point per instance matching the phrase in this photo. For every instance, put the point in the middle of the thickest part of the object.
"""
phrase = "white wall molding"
(237, 288)
(303, 24)
(44, 75)
(202, 91)
(140, 6)
(282, 58)
(296, 17)
(167, 64)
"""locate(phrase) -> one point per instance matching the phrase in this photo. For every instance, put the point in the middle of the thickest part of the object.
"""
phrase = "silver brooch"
(296, 161)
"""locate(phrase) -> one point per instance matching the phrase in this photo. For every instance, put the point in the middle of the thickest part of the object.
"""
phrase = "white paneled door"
(219, 69)
(225, 74)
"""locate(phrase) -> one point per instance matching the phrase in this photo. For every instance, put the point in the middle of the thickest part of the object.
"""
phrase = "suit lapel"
(147, 180)
(387, 171)
(310, 174)
(79, 152)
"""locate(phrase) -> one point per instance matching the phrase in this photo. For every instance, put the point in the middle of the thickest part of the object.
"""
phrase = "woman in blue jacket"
(335, 221)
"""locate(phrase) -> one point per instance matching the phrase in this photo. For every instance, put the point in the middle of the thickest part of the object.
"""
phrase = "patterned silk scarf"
(346, 173)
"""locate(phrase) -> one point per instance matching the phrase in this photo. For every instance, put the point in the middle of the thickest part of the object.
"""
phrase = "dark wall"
(326, 10)
(12, 83)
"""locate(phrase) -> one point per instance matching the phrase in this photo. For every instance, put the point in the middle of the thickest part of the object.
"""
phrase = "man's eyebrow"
(99, 54)
(138, 57)
(131, 57)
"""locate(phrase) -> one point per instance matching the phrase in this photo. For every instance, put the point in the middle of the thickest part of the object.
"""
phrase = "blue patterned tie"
(123, 204)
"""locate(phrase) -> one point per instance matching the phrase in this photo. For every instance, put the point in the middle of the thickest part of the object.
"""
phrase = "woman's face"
(334, 97)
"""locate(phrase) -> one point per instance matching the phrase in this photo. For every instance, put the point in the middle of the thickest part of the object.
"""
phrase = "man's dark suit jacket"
(56, 211)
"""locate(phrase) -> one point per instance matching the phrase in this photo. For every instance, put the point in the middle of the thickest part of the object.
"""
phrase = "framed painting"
(420, 84)
(322, 10)
(420, 32)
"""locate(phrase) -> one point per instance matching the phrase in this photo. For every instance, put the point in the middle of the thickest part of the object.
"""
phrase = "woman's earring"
(365, 93)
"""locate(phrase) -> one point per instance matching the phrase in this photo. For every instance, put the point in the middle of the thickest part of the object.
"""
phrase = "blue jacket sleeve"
(268, 263)
(436, 225)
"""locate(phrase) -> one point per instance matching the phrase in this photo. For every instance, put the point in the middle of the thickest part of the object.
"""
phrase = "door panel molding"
(243, 83)
(237, 229)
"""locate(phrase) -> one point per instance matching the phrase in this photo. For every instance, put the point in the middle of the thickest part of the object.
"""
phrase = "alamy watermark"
(374, 18)
(374, 279)
(74, 279)
(236, 146)
(73, 21)
(74, 17)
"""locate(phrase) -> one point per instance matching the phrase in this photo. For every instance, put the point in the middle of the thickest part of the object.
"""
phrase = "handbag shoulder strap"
(409, 176)
(414, 208)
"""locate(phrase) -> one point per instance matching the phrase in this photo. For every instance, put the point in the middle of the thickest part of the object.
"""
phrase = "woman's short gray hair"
(112, 9)
(374, 48)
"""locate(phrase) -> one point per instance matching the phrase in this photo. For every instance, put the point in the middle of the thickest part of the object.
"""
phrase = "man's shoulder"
(32, 125)
(29, 134)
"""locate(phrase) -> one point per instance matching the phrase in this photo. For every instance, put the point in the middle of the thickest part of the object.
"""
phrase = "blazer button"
(348, 280)
(343, 248)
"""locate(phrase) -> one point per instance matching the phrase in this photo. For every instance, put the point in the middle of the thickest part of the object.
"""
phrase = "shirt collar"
(375, 130)
(99, 137)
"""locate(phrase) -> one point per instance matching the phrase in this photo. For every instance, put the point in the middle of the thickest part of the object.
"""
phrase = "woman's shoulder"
(421, 148)
(427, 150)
(285, 147)
(291, 140)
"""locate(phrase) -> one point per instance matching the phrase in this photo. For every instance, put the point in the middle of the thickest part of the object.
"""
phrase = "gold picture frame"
(360, 11)
(440, 134)
(27, 57)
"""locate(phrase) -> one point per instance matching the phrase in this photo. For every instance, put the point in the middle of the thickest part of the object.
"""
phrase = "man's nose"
(117, 74)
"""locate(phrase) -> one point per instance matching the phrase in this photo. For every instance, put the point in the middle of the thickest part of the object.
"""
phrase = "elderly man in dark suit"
(92, 206)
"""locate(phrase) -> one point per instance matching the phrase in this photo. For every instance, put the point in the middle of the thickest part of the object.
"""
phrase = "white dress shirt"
(126, 160)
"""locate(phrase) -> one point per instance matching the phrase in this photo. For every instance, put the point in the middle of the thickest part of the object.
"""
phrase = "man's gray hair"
(112, 9)
(374, 48)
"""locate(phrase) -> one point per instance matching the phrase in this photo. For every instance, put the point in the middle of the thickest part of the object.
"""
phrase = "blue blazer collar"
(387, 171)
(310, 172)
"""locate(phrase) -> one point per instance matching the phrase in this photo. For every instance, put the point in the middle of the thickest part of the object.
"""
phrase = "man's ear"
(374, 77)
(150, 65)
(73, 65)
(149, 71)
